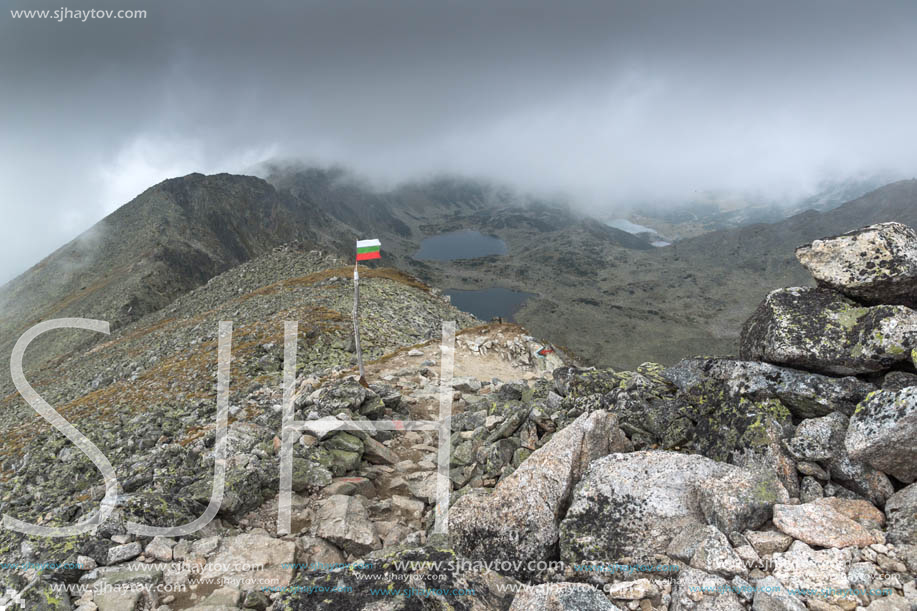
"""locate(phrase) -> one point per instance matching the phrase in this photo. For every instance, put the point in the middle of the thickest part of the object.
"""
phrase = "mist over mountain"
(582, 274)
(610, 104)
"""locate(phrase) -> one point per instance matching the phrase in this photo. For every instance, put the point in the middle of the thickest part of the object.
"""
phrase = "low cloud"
(610, 103)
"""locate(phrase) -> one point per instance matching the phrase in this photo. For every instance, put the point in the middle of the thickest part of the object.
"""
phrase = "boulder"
(875, 264)
(344, 521)
(820, 330)
(519, 519)
(317, 554)
(816, 575)
(901, 511)
(123, 553)
(883, 433)
(377, 453)
(708, 550)
(812, 440)
(308, 475)
(805, 394)
(466, 384)
(160, 548)
(561, 597)
(828, 522)
(633, 505)
(251, 561)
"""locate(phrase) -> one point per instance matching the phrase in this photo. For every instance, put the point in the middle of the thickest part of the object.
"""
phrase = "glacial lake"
(465, 244)
(489, 303)
(629, 227)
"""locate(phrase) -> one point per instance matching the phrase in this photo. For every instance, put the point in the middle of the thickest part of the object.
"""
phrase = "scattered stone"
(160, 548)
(892, 602)
(123, 553)
(117, 600)
(469, 385)
(883, 433)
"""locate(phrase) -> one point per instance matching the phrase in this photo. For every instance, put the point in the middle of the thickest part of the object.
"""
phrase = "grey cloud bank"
(608, 102)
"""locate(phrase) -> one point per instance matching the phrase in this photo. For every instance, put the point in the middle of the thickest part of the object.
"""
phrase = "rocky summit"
(779, 479)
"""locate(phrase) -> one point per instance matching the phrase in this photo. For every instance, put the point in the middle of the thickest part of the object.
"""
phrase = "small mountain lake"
(489, 303)
(465, 244)
(629, 227)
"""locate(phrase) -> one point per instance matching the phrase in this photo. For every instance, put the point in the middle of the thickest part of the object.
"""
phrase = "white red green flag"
(368, 249)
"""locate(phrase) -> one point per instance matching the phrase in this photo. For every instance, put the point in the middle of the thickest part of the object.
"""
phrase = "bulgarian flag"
(368, 249)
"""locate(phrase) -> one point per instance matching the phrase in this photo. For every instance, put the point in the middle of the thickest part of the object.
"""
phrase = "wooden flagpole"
(356, 322)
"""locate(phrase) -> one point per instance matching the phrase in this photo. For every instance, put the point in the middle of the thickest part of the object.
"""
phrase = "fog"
(609, 103)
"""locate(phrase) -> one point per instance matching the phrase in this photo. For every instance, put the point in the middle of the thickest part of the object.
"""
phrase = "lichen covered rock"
(805, 394)
(821, 330)
(633, 505)
(519, 519)
(901, 511)
(883, 433)
(874, 264)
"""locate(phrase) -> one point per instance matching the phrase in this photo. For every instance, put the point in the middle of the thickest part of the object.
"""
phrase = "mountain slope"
(169, 239)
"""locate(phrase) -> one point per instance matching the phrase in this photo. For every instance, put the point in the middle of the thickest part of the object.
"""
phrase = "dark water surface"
(465, 244)
(489, 303)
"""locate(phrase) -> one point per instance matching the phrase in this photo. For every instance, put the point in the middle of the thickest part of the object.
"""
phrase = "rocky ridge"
(782, 479)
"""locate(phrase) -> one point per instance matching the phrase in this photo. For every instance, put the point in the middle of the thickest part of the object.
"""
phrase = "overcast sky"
(608, 101)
